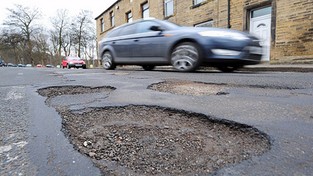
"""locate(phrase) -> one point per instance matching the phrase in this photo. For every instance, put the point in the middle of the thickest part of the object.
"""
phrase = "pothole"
(201, 88)
(189, 88)
(54, 91)
(151, 140)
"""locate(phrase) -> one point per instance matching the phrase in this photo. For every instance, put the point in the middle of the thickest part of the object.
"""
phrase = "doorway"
(260, 25)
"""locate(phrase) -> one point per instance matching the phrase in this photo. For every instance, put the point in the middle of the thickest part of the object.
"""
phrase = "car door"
(123, 44)
(149, 45)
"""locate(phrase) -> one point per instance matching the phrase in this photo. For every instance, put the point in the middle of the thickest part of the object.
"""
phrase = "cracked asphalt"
(276, 103)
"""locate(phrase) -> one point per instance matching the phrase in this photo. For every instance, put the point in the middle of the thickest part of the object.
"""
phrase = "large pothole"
(200, 88)
(54, 91)
(152, 140)
(149, 140)
(189, 88)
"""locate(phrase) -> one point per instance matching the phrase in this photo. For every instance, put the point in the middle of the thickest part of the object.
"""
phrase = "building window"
(261, 12)
(195, 2)
(112, 19)
(168, 7)
(145, 10)
(205, 24)
(129, 17)
(102, 24)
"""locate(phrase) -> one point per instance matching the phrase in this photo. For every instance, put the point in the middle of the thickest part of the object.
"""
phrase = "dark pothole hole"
(54, 91)
(155, 140)
(201, 88)
(150, 140)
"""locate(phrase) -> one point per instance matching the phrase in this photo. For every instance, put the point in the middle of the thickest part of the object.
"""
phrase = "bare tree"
(59, 33)
(41, 48)
(22, 20)
(11, 45)
(83, 30)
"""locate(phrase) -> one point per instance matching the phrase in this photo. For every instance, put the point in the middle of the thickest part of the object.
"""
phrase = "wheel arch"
(184, 40)
(107, 49)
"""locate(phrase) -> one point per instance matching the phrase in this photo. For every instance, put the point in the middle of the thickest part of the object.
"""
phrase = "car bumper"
(77, 65)
(249, 55)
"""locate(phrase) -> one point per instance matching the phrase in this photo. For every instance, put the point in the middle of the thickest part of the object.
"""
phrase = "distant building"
(284, 26)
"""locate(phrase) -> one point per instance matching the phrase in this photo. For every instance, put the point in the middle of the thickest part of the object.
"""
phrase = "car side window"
(145, 26)
(114, 33)
(128, 30)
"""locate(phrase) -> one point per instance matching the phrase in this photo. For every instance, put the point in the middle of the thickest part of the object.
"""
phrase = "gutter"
(228, 14)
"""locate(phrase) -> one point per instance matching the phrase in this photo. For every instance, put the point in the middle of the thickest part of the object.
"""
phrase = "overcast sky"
(48, 8)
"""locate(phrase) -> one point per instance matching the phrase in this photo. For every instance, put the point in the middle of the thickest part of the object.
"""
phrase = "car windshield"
(169, 25)
(74, 58)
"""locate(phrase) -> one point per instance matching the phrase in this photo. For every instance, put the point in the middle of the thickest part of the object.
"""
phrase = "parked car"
(28, 65)
(21, 65)
(2, 63)
(11, 65)
(39, 66)
(49, 66)
(71, 61)
(151, 43)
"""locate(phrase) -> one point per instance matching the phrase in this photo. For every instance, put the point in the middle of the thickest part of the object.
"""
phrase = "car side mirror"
(156, 28)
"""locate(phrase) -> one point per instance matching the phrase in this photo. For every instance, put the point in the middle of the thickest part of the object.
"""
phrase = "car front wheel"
(185, 57)
(107, 61)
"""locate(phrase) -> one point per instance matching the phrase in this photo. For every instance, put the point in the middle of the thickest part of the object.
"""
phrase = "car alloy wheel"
(185, 57)
(107, 61)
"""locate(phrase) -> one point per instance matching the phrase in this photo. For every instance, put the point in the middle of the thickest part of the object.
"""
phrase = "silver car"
(151, 43)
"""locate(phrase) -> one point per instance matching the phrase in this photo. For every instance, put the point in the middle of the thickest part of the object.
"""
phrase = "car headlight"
(71, 63)
(224, 34)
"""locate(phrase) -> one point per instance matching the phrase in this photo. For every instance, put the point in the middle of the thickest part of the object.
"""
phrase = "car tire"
(148, 67)
(185, 57)
(107, 61)
(68, 66)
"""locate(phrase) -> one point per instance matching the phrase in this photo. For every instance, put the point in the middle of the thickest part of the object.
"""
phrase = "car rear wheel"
(186, 57)
(107, 61)
(148, 67)
(68, 66)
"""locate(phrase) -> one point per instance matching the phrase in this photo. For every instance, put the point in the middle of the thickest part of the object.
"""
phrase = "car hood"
(212, 29)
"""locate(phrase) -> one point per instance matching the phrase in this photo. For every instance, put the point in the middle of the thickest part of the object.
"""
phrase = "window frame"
(129, 17)
(166, 12)
(202, 24)
(112, 19)
(196, 2)
(145, 8)
(102, 25)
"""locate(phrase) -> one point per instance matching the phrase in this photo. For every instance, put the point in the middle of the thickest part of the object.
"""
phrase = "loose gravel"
(153, 140)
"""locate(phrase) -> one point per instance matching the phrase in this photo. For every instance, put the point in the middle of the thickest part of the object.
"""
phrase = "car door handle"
(136, 40)
(113, 42)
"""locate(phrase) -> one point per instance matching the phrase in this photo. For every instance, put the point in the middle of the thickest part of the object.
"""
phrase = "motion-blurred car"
(151, 43)
(71, 61)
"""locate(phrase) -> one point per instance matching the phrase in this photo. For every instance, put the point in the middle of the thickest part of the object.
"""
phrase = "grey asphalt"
(277, 103)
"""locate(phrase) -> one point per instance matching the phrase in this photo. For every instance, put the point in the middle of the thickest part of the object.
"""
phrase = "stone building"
(284, 26)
